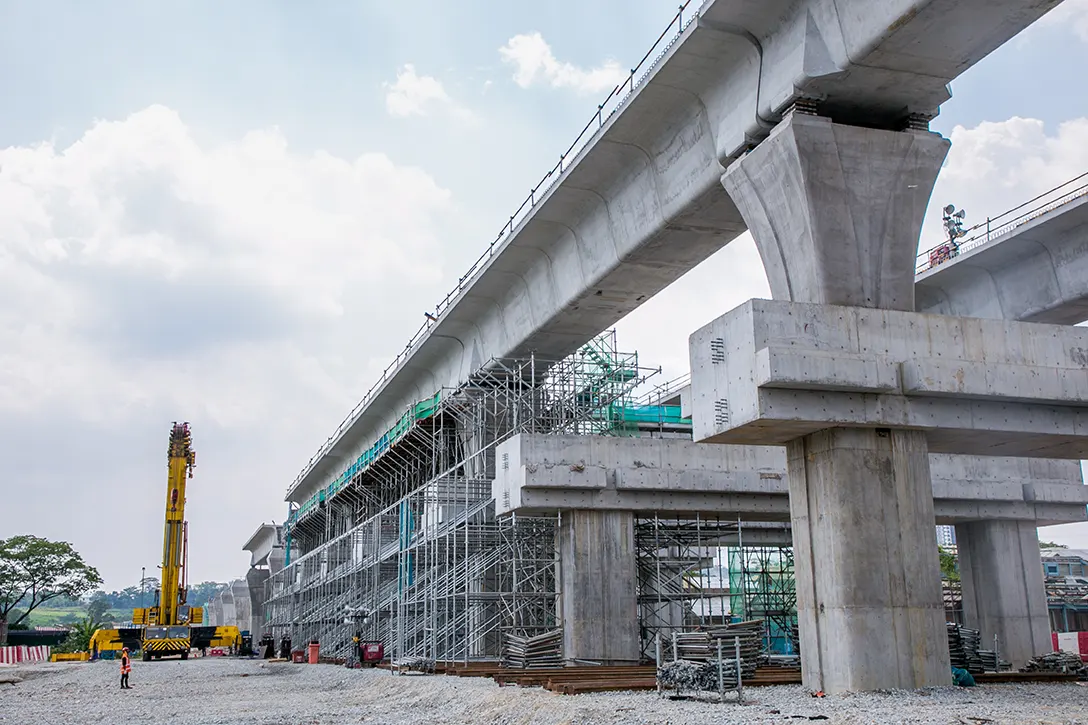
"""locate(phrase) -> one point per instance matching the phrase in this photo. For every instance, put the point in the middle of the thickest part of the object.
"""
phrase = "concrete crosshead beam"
(542, 473)
(772, 371)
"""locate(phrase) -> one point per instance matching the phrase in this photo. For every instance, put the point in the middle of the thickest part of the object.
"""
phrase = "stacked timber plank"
(543, 650)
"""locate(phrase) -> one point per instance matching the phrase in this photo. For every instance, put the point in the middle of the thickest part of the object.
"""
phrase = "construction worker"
(126, 667)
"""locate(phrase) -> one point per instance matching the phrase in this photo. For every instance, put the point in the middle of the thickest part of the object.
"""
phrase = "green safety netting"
(420, 411)
(612, 369)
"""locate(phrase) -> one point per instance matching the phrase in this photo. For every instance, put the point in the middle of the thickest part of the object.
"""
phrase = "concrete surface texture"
(984, 387)
(1003, 590)
(598, 585)
(836, 210)
(543, 473)
(869, 607)
(1038, 272)
(640, 203)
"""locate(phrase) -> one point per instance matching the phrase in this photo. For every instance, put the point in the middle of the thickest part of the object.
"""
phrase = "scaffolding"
(762, 586)
(403, 546)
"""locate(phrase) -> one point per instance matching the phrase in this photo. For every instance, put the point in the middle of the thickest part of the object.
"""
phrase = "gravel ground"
(232, 692)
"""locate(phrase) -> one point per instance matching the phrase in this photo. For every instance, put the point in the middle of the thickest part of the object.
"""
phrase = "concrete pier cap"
(860, 388)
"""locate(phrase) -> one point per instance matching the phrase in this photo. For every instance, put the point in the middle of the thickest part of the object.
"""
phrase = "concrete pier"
(836, 212)
(869, 602)
(1003, 591)
(598, 587)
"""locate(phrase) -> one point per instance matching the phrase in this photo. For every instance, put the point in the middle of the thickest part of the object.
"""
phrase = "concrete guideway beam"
(1036, 273)
(538, 474)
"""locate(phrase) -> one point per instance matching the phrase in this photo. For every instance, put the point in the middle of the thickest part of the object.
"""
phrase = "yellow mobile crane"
(166, 628)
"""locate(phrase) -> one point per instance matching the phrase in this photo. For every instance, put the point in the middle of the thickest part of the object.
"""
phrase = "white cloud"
(1072, 14)
(251, 289)
(415, 95)
(534, 61)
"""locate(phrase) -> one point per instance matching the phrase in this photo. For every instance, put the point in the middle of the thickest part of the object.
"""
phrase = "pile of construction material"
(751, 643)
(991, 662)
(1066, 662)
(699, 676)
(703, 646)
(414, 664)
(696, 665)
(963, 648)
(543, 650)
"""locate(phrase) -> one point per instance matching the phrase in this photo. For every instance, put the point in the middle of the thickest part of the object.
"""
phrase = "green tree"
(34, 571)
(98, 606)
(949, 565)
(1051, 545)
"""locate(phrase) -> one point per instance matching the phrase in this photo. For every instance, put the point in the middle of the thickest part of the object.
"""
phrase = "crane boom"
(181, 458)
(170, 626)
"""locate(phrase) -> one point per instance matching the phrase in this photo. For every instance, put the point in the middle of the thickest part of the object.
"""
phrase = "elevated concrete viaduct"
(1037, 272)
(805, 122)
(641, 203)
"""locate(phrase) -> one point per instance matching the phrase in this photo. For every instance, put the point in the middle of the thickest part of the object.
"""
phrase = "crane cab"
(165, 641)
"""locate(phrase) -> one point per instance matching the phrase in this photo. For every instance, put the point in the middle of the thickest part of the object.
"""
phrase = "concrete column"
(257, 580)
(1003, 590)
(836, 213)
(598, 580)
(868, 592)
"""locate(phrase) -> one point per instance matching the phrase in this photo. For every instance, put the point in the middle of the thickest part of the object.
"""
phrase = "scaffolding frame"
(762, 586)
(407, 548)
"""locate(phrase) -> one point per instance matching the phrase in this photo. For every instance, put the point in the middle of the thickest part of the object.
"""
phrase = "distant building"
(1066, 572)
(946, 536)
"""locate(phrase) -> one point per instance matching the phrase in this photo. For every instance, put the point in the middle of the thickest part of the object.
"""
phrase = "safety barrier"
(70, 657)
(22, 653)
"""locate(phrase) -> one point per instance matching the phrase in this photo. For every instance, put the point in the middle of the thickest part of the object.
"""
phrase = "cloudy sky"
(235, 213)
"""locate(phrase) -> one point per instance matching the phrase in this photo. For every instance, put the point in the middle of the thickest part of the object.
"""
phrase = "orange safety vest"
(126, 667)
